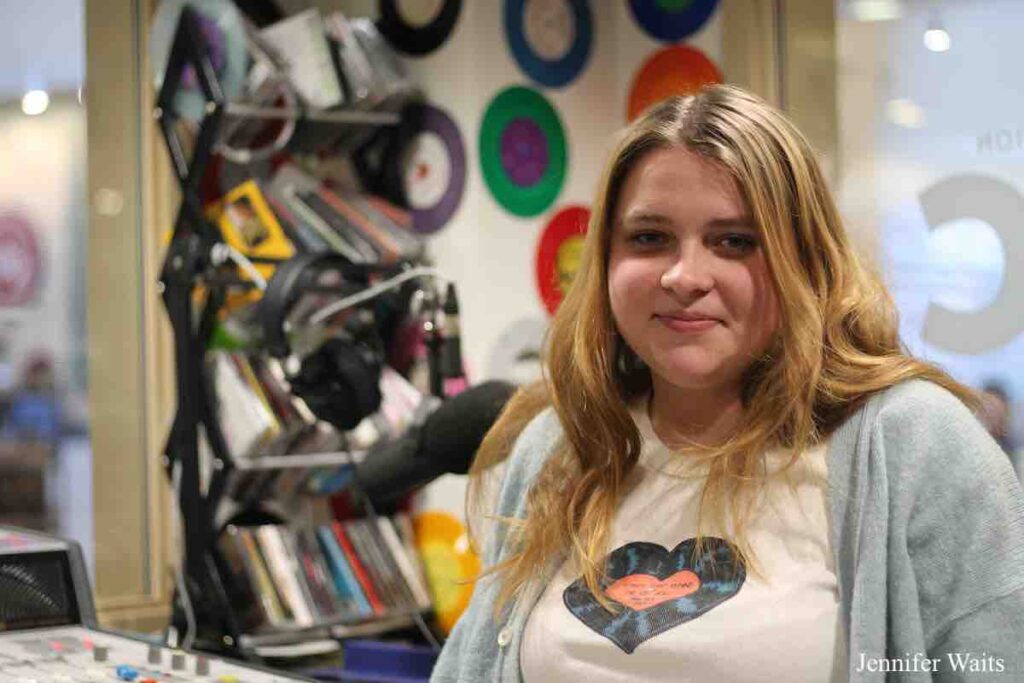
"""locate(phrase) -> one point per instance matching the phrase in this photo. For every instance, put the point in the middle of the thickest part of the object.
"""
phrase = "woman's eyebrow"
(641, 218)
(645, 217)
(736, 222)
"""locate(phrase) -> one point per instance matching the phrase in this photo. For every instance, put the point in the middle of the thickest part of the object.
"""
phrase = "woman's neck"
(682, 417)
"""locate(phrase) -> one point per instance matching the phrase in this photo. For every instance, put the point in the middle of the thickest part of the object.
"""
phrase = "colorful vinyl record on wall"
(434, 170)
(516, 354)
(558, 254)
(549, 39)
(672, 20)
(522, 151)
(222, 27)
(417, 27)
(676, 70)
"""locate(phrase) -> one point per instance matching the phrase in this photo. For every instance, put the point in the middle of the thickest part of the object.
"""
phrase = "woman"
(733, 471)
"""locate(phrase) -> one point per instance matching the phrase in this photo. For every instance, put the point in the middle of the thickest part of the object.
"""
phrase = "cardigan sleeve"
(983, 644)
(471, 652)
(956, 528)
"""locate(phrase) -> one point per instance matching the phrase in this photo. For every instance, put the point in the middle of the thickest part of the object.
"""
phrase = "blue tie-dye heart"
(720, 572)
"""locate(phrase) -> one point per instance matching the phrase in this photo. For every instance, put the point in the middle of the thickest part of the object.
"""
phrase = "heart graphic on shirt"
(656, 589)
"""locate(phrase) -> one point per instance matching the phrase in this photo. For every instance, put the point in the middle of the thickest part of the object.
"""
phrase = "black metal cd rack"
(189, 274)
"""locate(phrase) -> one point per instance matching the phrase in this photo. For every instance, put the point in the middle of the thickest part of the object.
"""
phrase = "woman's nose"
(689, 273)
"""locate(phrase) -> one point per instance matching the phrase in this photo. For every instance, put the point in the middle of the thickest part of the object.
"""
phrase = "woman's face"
(687, 278)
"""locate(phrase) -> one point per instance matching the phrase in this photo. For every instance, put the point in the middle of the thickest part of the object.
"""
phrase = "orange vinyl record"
(676, 70)
(449, 563)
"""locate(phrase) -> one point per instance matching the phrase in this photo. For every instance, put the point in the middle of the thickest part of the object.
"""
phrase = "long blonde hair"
(837, 343)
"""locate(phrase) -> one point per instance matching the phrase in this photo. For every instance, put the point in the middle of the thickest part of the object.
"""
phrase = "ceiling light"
(35, 102)
(937, 39)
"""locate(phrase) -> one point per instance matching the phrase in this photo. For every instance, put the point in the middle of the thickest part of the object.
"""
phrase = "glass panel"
(45, 458)
(932, 176)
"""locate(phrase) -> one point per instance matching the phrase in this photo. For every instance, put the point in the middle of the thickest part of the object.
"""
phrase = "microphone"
(446, 442)
(450, 360)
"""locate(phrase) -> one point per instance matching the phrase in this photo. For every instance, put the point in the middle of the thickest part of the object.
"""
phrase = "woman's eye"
(738, 244)
(646, 238)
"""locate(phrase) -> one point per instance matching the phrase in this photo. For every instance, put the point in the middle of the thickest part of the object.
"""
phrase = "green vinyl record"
(522, 151)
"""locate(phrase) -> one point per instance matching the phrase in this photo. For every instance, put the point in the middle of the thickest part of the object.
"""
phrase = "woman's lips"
(686, 325)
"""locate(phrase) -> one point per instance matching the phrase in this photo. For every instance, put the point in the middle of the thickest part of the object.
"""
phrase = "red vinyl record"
(558, 254)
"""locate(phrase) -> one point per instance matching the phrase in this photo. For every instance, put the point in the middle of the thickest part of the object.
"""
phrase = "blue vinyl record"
(672, 20)
(550, 40)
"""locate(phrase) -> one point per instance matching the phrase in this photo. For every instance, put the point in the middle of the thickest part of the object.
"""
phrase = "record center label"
(550, 28)
(524, 152)
(419, 13)
(428, 171)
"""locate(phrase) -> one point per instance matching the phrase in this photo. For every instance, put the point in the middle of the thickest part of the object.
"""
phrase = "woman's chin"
(693, 379)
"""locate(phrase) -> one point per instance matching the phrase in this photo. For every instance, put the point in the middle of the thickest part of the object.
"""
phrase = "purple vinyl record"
(434, 170)
(524, 151)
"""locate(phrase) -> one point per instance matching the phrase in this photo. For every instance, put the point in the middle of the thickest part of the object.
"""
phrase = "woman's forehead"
(675, 183)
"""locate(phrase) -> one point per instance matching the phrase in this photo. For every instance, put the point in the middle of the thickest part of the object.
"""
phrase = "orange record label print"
(676, 70)
(558, 254)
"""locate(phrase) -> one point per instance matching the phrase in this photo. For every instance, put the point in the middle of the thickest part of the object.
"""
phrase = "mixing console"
(75, 654)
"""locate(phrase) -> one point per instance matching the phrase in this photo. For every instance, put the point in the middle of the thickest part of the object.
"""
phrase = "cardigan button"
(504, 637)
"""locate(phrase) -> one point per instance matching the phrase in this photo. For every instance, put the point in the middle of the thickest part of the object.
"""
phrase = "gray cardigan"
(927, 526)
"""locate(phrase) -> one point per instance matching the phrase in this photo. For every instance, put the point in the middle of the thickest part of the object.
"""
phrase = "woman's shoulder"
(920, 423)
(533, 445)
(920, 399)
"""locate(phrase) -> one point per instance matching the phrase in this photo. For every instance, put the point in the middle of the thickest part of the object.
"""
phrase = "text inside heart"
(640, 591)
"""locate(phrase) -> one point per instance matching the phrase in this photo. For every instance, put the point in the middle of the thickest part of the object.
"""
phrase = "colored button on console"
(127, 673)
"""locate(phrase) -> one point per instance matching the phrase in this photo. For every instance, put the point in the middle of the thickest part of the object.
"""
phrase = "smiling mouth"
(687, 325)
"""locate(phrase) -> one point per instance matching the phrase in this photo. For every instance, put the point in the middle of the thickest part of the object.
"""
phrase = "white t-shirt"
(688, 618)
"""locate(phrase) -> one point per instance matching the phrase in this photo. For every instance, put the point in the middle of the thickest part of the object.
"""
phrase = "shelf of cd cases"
(339, 628)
